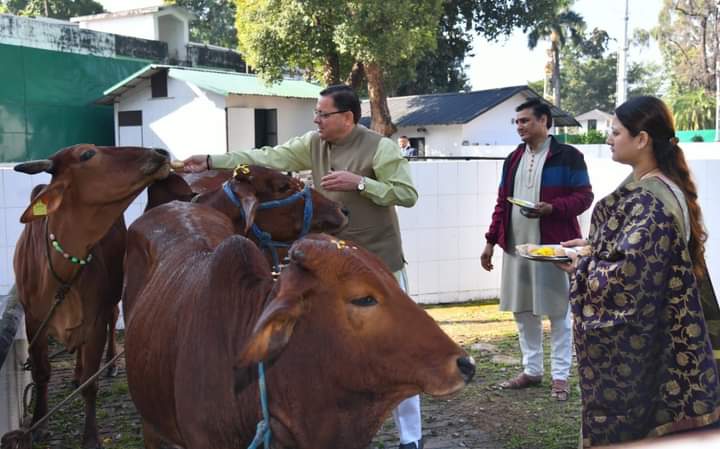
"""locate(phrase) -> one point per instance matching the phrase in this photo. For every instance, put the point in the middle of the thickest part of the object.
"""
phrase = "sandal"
(560, 390)
(521, 381)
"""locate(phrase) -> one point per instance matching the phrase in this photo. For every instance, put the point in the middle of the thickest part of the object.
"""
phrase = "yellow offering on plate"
(542, 251)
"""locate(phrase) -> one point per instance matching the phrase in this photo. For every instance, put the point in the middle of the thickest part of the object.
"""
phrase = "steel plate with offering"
(544, 253)
(522, 203)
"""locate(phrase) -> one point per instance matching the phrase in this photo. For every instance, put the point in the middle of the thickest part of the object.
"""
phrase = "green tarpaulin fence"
(46, 100)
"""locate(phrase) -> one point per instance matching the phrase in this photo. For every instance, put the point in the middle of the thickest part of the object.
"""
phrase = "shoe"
(560, 390)
(521, 381)
(414, 445)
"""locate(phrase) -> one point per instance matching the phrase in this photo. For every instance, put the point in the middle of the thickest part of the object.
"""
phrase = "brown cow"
(343, 344)
(255, 187)
(74, 236)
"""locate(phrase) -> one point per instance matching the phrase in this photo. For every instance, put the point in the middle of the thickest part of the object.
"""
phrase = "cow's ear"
(248, 202)
(249, 206)
(273, 330)
(44, 203)
(277, 321)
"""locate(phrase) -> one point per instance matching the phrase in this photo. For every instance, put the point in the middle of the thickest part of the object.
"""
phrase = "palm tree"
(557, 28)
(693, 109)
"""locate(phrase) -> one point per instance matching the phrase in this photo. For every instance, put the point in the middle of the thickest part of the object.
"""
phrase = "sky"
(509, 62)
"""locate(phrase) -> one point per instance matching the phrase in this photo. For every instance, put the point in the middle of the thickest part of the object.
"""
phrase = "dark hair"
(651, 115)
(404, 137)
(345, 99)
(539, 109)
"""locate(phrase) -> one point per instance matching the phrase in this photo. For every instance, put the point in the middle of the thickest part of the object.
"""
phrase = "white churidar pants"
(530, 334)
(407, 414)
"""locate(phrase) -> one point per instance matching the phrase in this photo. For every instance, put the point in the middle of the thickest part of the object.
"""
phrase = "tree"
(693, 109)
(214, 21)
(57, 9)
(688, 35)
(377, 41)
(557, 29)
(442, 70)
(589, 75)
(320, 37)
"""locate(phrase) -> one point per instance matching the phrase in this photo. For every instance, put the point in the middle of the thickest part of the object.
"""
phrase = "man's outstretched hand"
(196, 164)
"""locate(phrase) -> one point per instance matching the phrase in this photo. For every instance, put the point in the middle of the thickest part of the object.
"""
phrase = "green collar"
(76, 260)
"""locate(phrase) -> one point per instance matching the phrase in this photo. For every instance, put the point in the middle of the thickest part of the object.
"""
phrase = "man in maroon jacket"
(554, 177)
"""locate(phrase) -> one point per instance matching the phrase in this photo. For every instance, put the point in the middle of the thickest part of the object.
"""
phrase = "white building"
(445, 124)
(190, 110)
(166, 23)
(595, 120)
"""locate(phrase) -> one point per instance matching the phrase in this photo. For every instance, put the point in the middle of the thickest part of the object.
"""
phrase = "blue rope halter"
(263, 433)
(264, 238)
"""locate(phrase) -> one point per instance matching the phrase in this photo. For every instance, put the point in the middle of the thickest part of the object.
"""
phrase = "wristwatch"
(361, 185)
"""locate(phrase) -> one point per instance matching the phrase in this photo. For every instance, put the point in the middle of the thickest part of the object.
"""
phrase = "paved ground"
(447, 423)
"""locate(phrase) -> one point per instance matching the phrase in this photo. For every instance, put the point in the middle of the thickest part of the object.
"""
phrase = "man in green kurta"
(364, 171)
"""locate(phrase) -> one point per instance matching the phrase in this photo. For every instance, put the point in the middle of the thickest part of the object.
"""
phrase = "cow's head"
(338, 306)
(93, 176)
(253, 186)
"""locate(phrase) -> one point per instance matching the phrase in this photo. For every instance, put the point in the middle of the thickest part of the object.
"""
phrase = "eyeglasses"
(324, 115)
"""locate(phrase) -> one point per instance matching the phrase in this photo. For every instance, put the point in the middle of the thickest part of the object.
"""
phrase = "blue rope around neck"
(263, 433)
(264, 238)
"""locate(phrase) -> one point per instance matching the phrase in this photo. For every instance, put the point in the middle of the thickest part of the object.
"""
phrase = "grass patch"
(518, 419)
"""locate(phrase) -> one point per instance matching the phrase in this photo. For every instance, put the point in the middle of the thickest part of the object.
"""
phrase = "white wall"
(241, 128)
(124, 5)
(440, 140)
(496, 126)
(189, 121)
(15, 191)
(143, 27)
(294, 117)
(25, 32)
(602, 126)
(175, 32)
(443, 235)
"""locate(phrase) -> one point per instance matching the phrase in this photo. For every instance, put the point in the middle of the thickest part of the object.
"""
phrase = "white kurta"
(530, 286)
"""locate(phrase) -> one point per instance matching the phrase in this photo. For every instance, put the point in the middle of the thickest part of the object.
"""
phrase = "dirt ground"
(482, 416)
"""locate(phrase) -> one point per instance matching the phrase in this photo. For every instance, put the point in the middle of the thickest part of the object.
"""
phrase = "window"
(130, 118)
(158, 84)
(265, 127)
(419, 144)
(592, 125)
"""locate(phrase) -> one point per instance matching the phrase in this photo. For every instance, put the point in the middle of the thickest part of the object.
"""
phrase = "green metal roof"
(217, 81)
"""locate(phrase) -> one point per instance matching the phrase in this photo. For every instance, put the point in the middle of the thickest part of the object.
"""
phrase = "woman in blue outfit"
(641, 301)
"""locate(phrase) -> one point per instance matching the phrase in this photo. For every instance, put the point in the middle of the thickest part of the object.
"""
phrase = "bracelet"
(207, 161)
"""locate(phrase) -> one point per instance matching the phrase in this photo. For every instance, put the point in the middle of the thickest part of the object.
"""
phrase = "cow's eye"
(367, 301)
(87, 155)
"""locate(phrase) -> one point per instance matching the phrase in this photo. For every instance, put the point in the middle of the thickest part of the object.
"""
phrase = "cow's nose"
(467, 367)
(345, 211)
(164, 153)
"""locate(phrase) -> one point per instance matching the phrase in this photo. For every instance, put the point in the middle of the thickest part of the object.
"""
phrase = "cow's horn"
(34, 167)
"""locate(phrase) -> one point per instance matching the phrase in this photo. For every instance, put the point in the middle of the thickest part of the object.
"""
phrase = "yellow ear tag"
(39, 208)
